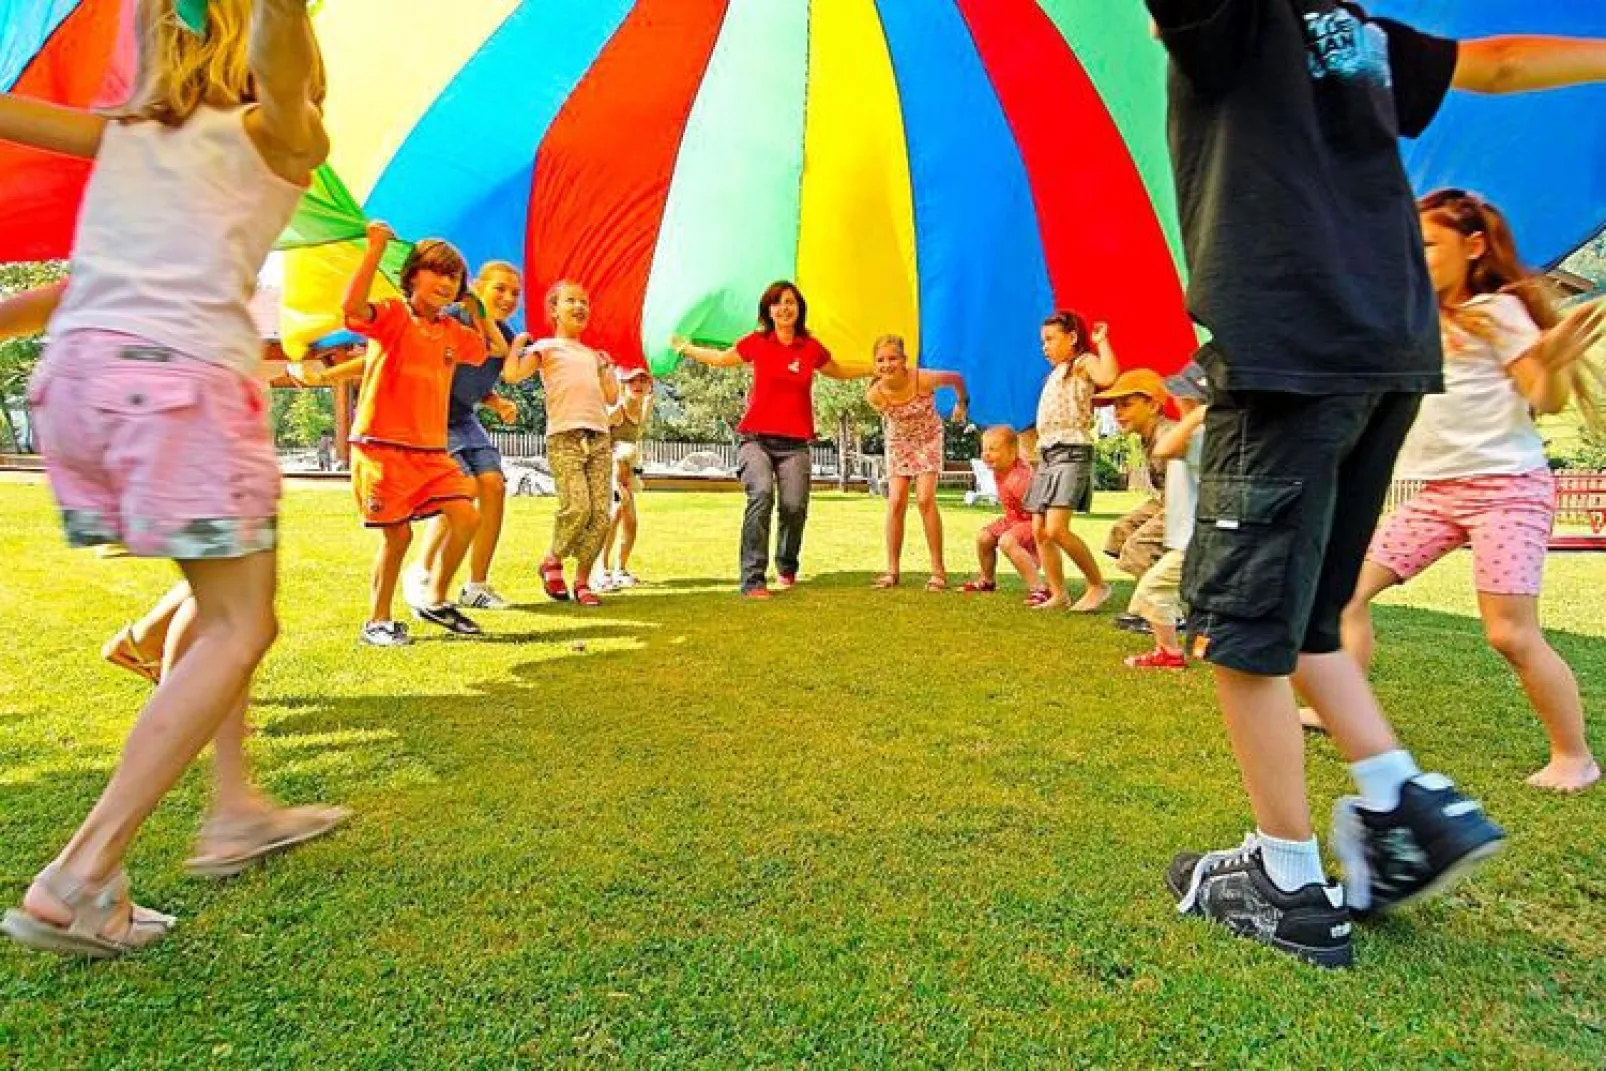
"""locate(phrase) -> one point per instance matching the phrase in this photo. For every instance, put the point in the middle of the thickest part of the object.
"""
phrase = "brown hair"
(180, 71)
(439, 256)
(1073, 323)
(773, 293)
(1499, 270)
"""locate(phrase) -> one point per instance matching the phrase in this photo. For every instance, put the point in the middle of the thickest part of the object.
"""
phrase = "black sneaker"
(1233, 889)
(1435, 837)
(449, 618)
(1131, 623)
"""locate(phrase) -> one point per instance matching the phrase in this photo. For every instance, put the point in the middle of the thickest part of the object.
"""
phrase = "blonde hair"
(890, 340)
(490, 267)
(180, 71)
(1004, 433)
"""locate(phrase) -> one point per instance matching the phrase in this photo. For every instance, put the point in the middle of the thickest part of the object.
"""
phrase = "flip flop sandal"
(275, 832)
(936, 584)
(885, 581)
(978, 587)
(1078, 607)
(122, 652)
(92, 910)
(1038, 596)
(552, 580)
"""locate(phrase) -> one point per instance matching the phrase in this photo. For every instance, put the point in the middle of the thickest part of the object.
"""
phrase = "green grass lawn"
(845, 827)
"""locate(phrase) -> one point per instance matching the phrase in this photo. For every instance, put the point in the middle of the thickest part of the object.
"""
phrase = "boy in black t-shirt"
(1306, 264)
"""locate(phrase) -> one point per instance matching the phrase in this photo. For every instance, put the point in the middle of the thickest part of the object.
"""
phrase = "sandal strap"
(94, 906)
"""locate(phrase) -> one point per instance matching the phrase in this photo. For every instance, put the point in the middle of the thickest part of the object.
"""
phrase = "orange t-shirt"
(407, 385)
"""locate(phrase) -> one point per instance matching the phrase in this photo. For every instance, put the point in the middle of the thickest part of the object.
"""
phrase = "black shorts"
(1289, 494)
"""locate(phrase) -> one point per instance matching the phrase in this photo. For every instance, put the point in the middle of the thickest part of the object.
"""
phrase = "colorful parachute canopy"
(1540, 156)
(949, 170)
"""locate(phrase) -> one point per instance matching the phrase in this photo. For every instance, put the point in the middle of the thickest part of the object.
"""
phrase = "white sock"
(1292, 864)
(1379, 778)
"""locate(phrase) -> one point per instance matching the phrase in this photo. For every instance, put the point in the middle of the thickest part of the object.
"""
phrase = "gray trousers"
(771, 469)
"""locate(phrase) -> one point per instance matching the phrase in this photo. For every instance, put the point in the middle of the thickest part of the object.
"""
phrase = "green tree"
(700, 404)
(310, 416)
(844, 416)
(19, 356)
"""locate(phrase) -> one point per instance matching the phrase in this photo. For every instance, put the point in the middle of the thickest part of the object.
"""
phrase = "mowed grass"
(844, 828)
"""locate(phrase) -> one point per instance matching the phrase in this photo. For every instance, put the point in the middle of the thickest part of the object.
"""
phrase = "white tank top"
(175, 225)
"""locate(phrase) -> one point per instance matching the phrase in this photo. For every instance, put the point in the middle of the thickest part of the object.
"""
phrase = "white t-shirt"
(1182, 494)
(1481, 425)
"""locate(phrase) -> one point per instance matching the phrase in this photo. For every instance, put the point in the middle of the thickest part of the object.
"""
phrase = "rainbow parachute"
(949, 170)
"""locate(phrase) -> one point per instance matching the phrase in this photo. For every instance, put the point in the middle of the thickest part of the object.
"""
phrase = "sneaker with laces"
(481, 597)
(1131, 623)
(1233, 889)
(624, 578)
(384, 634)
(1432, 839)
(1159, 658)
(449, 618)
(415, 586)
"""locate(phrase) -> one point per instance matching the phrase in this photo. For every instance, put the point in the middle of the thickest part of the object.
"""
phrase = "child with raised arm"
(1306, 264)
(1482, 463)
(580, 386)
(1138, 398)
(1083, 364)
(498, 288)
(1010, 534)
(401, 471)
(154, 429)
(907, 401)
(1157, 600)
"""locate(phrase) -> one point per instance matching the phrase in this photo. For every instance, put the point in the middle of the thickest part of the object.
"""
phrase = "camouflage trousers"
(582, 465)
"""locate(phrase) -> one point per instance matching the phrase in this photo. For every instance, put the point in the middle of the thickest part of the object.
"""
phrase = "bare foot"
(1092, 599)
(1564, 775)
(1310, 720)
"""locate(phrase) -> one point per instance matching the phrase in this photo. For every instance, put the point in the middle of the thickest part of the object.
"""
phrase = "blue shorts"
(473, 450)
(478, 460)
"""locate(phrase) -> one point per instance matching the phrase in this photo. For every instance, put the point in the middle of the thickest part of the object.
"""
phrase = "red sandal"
(552, 579)
(978, 587)
(585, 596)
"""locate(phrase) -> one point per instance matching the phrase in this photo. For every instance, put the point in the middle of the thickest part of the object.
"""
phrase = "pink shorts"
(1507, 519)
(1022, 531)
(168, 455)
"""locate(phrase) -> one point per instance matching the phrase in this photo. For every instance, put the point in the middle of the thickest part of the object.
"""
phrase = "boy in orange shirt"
(400, 469)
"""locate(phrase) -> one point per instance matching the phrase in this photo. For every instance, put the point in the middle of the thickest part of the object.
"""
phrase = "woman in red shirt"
(777, 430)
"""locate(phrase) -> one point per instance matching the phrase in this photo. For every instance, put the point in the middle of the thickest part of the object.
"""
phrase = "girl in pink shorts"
(153, 429)
(1486, 480)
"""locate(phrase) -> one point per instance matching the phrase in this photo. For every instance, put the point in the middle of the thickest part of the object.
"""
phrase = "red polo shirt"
(782, 402)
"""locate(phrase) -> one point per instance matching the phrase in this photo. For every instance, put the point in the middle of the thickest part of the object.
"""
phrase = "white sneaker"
(481, 597)
(415, 587)
(603, 582)
(385, 634)
(624, 579)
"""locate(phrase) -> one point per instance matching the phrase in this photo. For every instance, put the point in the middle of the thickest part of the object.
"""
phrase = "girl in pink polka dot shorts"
(1482, 463)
